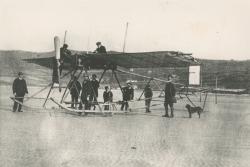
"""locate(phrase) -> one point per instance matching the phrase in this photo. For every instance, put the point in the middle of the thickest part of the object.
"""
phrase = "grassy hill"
(231, 74)
(11, 63)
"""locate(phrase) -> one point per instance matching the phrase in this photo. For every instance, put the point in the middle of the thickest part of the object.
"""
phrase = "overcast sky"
(212, 29)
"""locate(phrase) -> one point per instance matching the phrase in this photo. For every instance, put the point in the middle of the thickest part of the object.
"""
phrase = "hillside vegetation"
(231, 74)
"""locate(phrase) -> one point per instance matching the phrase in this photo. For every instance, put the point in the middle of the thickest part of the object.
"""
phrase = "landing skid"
(85, 112)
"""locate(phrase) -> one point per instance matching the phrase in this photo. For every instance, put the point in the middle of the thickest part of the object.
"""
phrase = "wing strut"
(143, 76)
(69, 83)
(113, 71)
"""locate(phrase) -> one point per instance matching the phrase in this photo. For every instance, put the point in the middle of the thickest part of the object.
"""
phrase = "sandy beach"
(49, 138)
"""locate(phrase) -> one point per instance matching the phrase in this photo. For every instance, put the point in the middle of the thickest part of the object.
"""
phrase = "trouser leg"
(172, 109)
(80, 105)
(15, 106)
(83, 101)
(106, 106)
(92, 99)
(166, 109)
(95, 101)
(147, 104)
(86, 105)
(123, 104)
(88, 102)
(72, 101)
(19, 106)
(126, 106)
(76, 101)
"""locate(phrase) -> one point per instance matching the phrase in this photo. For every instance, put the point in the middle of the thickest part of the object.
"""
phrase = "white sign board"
(194, 75)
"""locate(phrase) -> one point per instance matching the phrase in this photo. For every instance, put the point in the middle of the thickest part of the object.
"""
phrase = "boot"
(172, 113)
(166, 114)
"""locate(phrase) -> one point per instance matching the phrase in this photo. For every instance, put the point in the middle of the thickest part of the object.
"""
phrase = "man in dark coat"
(65, 56)
(19, 88)
(107, 97)
(169, 97)
(75, 89)
(148, 94)
(86, 91)
(100, 48)
(127, 95)
(94, 92)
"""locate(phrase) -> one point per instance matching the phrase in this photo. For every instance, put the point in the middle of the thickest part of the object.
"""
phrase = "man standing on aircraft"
(94, 92)
(19, 88)
(169, 97)
(100, 48)
(86, 91)
(75, 89)
(65, 55)
(127, 95)
(148, 97)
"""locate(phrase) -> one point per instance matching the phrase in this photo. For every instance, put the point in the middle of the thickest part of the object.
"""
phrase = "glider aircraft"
(110, 61)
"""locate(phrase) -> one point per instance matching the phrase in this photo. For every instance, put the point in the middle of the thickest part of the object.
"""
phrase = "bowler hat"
(20, 73)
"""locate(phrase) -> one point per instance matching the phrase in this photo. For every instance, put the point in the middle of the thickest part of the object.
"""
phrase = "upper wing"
(127, 60)
(141, 59)
(45, 62)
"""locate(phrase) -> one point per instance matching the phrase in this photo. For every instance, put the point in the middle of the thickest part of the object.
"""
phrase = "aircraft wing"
(126, 60)
(45, 62)
(141, 59)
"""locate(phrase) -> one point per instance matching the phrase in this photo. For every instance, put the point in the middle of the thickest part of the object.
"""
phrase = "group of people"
(88, 93)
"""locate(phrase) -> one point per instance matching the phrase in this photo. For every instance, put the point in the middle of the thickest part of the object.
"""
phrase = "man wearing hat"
(169, 97)
(107, 97)
(19, 88)
(127, 95)
(94, 92)
(100, 48)
(65, 54)
(75, 89)
(148, 94)
(86, 90)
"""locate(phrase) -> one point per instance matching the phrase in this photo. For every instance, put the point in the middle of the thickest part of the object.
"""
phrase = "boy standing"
(107, 97)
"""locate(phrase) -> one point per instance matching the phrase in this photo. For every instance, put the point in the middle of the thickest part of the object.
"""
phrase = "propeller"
(57, 58)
